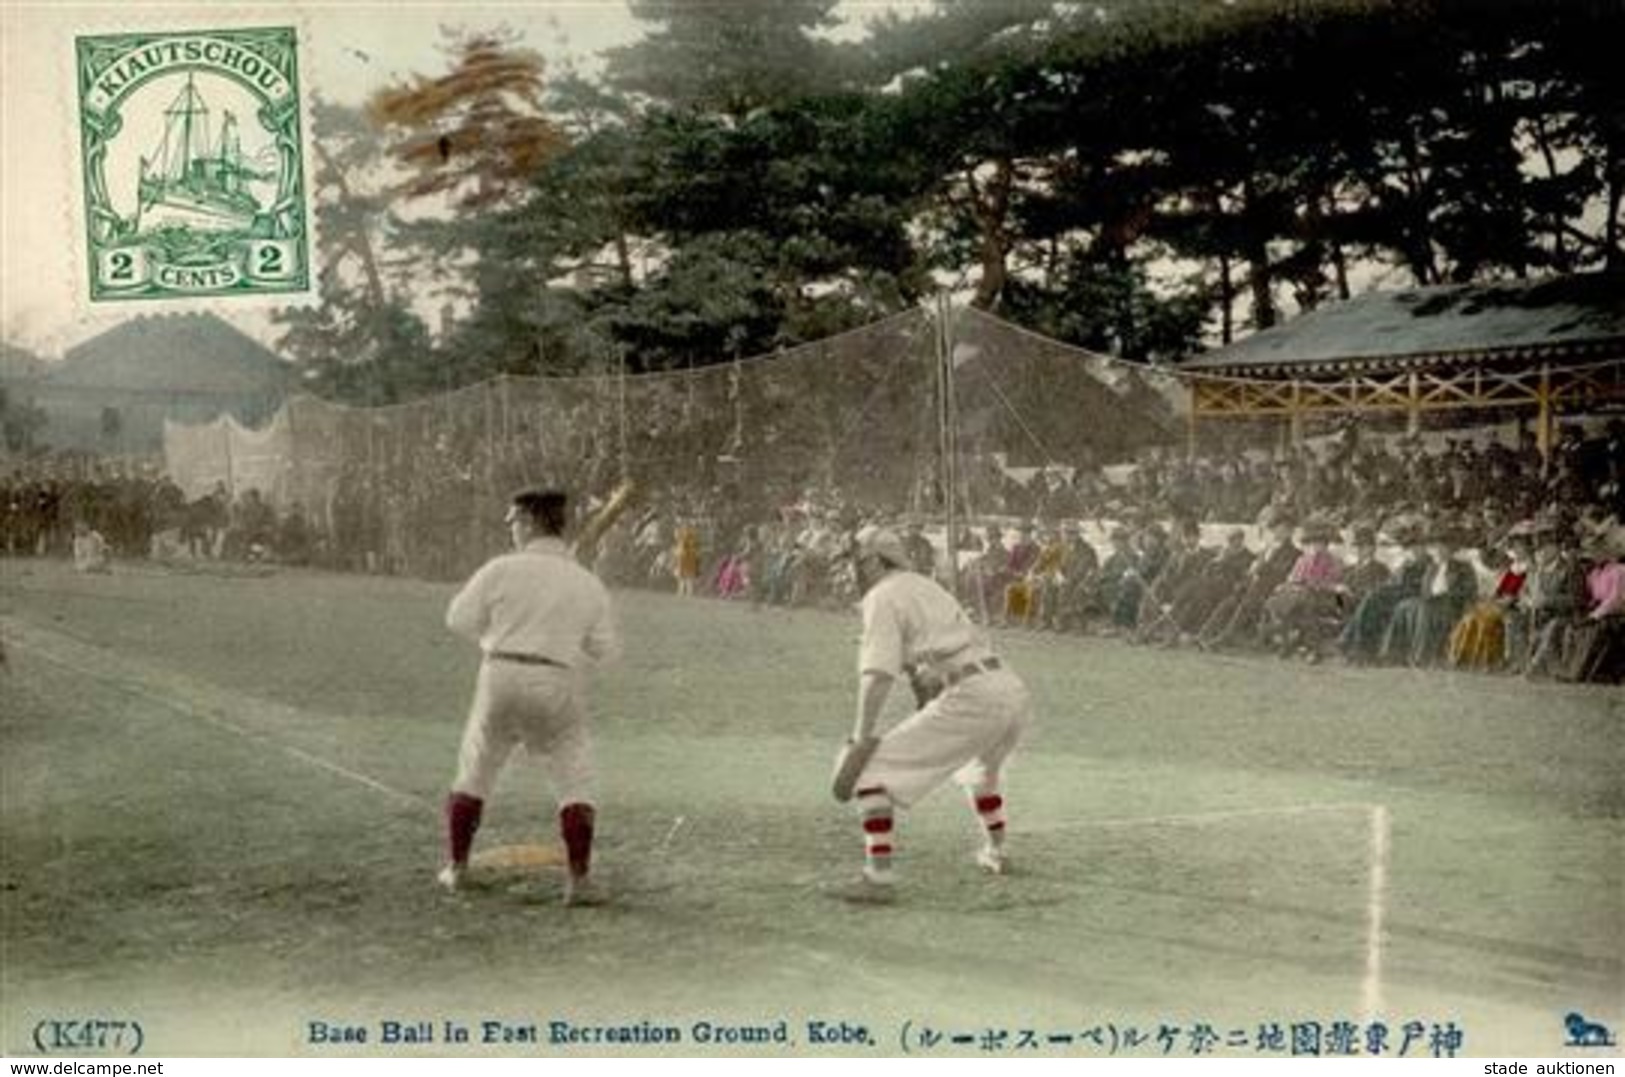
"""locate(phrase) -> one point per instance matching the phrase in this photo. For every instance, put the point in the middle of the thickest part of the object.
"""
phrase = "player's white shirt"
(911, 621)
(537, 601)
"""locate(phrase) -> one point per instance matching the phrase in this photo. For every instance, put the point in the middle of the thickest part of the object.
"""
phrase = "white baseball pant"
(539, 706)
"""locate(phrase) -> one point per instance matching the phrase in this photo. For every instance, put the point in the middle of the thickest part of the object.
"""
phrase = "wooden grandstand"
(1542, 349)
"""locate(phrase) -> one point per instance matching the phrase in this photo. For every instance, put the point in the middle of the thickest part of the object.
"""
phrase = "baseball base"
(504, 858)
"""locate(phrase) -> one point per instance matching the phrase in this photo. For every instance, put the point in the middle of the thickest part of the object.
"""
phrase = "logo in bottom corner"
(1583, 1033)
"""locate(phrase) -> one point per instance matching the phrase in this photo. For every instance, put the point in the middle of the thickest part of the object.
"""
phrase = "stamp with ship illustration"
(192, 151)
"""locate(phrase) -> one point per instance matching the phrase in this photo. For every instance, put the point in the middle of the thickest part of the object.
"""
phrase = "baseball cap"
(882, 542)
(546, 507)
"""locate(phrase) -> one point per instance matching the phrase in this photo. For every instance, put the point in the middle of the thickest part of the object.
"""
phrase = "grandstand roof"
(1561, 320)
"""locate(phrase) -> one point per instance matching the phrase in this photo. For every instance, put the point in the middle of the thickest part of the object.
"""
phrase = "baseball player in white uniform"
(972, 711)
(542, 621)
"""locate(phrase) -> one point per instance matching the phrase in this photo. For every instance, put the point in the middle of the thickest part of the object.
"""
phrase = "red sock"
(575, 826)
(462, 819)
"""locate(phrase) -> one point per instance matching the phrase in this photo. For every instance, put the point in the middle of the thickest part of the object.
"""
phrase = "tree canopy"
(1143, 177)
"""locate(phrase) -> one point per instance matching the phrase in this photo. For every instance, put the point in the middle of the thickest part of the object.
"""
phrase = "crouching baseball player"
(972, 711)
(541, 620)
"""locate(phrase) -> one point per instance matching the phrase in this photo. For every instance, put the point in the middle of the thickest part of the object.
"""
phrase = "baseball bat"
(620, 499)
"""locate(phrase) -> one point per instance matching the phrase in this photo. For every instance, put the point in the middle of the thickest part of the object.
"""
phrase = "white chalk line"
(1376, 867)
(1198, 818)
(219, 722)
(676, 825)
(1375, 912)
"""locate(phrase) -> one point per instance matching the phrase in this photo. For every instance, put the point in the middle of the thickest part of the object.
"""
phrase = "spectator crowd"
(1379, 551)
(51, 508)
(1472, 557)
(1346, 479)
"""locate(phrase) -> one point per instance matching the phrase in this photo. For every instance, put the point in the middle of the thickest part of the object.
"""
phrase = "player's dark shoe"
(583, 891)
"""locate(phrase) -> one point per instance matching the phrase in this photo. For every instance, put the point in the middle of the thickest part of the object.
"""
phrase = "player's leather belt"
(522, 659)
(960, 673)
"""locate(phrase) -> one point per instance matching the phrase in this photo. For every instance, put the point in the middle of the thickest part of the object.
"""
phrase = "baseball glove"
(849, 763)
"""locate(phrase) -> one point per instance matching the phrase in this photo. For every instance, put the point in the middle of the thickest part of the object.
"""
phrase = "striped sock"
(875, 809)
(990, 810)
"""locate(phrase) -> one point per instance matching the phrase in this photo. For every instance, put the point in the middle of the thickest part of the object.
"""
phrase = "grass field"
(221, 819)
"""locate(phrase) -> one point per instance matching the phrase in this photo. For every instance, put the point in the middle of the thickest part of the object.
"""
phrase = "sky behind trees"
(682, 182)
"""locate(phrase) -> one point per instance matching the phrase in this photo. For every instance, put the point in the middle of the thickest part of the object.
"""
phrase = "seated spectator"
(1365, 573)
(1236, 620)
(1597, 643)
(1151, 553)
(1420, 627)
(1363, 635)
(986, 579)
(1298, 615)
(1185, 562)
(1064, 600)
(1045, 576)
(252, 530)
(295, 541)
(1018, 594)
(90, 550)
(1555, 593)
(1194, 602)
(1482, 638)
(1115, 570)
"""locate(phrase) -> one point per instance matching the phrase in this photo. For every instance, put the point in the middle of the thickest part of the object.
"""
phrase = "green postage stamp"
(193, 164)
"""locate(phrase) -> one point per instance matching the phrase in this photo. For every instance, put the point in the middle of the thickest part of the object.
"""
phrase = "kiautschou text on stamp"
(193, 164)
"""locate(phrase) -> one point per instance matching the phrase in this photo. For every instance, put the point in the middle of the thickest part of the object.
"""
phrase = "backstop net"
(852, 425)
(855, 426)
(1045, 429)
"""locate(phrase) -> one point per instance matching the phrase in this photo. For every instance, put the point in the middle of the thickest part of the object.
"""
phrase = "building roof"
(19, 363)
(1562, 320)
(193, 353)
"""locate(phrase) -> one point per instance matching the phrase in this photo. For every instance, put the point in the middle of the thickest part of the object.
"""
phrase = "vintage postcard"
(855, 528)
